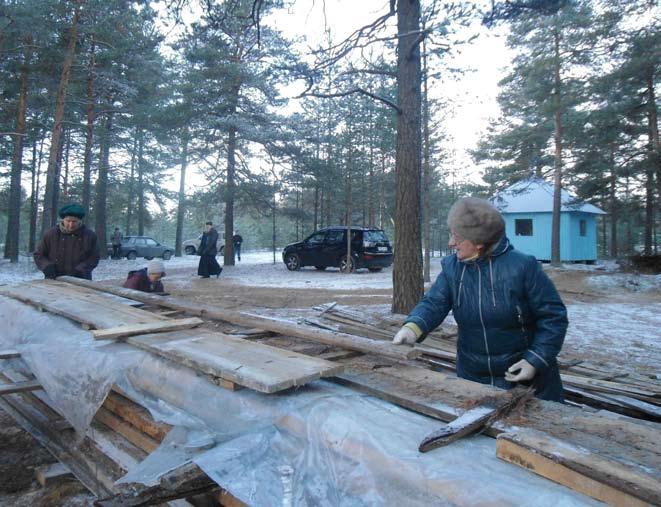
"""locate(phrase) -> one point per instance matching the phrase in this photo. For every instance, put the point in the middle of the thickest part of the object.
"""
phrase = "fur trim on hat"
(476, 220)
(155, 266)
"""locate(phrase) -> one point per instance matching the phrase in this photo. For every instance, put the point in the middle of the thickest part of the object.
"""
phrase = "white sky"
(472, 94)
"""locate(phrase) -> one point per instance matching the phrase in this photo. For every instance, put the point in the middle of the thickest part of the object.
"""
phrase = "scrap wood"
(145, 328)
(579, 468)
(135, 414)
(9, 354)
(47, 474)
(477, 419)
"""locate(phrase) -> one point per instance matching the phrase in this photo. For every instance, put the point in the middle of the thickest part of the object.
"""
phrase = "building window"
(523, 226)
(583, 227)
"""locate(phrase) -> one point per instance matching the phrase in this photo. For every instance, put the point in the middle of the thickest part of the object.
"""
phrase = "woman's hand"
(405, 335)
(520, 371)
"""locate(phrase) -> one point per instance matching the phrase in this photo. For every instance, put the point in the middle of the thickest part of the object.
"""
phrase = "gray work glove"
(405, 335)
(520, 371)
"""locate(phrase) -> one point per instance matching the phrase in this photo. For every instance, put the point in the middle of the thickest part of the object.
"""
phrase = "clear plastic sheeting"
(322, 444)
(75, 370)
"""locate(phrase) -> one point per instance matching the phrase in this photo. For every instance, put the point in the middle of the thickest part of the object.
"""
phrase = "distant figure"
(208, 264)
(237, 240)
(116, 243)
(69, 248)
(147, 279)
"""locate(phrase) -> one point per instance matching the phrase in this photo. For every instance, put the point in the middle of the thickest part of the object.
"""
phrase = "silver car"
(191, 246)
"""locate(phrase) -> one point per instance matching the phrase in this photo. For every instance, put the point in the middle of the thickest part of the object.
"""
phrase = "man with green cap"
(69, 248)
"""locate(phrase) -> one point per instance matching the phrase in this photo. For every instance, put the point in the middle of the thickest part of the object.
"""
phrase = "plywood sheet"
(257, 366)
(89, 308)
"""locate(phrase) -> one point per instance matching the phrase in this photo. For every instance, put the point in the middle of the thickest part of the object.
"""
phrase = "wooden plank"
(9, 354)
(469, 422)
(91, 310)
(578, 469)
(610, 387)
(136, 415)
(133, 435)
(148, 327)
(255, 365)
(250, 320)
(20, 387)
(55, 472)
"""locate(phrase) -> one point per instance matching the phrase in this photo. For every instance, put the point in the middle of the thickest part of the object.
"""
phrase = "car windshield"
(375, 236)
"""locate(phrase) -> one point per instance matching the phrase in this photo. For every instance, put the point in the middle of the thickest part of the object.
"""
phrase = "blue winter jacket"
(506, 309)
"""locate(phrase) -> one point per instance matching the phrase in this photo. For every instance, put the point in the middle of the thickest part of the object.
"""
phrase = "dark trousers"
(115, 251)
(237, 251)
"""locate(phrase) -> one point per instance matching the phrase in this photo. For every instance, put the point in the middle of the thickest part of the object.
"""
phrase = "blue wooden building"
(527, 207)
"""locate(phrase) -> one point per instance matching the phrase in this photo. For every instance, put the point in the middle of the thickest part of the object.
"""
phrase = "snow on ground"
(619, 333)
(629, 281)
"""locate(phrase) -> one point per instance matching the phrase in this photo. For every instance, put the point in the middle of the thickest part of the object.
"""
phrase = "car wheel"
(222, 250)
(320, 268)
(190, 250)
(351, 267)
(293, 262)
(166, 255)
(131, 256)
(148, 257)
(374, 270)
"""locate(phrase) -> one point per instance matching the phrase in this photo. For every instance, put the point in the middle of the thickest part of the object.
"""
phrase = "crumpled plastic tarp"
(321, 444)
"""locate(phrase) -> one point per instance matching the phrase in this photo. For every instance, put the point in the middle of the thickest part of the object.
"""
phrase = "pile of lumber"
(585, 382)
(618, 457)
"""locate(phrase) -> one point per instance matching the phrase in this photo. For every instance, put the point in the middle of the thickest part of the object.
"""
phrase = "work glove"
(405, 335)
(50, 272)
(520, 371)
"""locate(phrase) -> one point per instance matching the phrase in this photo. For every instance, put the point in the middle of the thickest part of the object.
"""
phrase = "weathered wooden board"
(91, 309)
(251, 320)
(55, 472)
(578, 469)
(261, 367)
(20, 387)
(9, 354)
(149, 327)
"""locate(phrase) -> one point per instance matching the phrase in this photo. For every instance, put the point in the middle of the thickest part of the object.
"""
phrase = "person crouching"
(147, 279)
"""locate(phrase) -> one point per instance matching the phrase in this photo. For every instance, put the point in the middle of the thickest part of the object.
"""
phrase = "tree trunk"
(66, 149)
(182, 195)
(229, 198)
(141, 184)
(426, 176)
(348, 190)
(654, 164)
(129, 203)
(407, 262)
(557, 180)
(34, 212)
(613, 203)
(101, 190)
(14, 211)
(89, 127)
(50, 198)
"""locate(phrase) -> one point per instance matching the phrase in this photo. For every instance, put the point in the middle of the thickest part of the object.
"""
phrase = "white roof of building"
(535, 195)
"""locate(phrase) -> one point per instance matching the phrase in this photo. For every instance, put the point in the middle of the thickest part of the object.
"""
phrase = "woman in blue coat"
(511, 320)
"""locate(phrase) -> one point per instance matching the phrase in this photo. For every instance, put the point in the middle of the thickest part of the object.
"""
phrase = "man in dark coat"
(208, 265)
(237, 240)
(69, 248)
(116, 243)
(147, 279)
(511, 320)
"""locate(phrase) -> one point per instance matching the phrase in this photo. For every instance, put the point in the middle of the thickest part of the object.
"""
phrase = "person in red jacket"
(147, 279)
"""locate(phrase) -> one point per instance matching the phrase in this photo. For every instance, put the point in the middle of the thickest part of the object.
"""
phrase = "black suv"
(370, 249)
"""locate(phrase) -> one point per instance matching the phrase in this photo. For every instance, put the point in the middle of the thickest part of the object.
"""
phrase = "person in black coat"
(510, 317)
(208, 265)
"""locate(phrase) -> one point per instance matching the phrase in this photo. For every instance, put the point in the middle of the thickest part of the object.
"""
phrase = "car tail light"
(368, 257)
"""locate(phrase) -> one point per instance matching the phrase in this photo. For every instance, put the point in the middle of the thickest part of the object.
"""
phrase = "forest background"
(157, 124)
